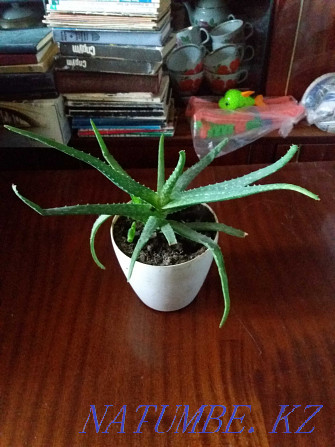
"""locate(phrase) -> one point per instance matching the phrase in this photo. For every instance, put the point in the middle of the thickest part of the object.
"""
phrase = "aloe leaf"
(192, 172)
(105, 152)
(161, 165)
(240, 182)
(259, 174)
(97, 224)
(218, 193)
(131, 232)
(169, 234)
(28, 202)
(216, 226)
(134, 211)
(173, 178)
(123, 181)
(186, 232)
(151, 225)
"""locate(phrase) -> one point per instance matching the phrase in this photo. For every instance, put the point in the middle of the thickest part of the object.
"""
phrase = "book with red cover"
(24, 58)
(92, 82)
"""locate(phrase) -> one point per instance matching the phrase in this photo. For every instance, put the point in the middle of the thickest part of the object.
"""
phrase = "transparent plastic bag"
(319, 102)
(210, 124)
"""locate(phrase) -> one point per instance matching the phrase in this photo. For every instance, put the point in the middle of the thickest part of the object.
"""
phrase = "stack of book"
(110, 64)
(26, 59)
(28, 94)
(130, 114)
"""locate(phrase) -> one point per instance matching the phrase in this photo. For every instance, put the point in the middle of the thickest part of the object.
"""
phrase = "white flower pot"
(166, 288)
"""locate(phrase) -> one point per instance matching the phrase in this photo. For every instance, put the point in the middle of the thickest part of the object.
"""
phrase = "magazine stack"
(110, 64)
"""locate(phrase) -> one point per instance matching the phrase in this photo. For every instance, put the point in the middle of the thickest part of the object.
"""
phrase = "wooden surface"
(302, 45)
(73, 336)
(315, 145)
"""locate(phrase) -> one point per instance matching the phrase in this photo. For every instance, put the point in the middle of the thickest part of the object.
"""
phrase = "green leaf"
(169, 234)
(131, 232)
(139, 212)
(161, 165)
(215, 226)
(259, 174)
(192, 172)
(97, 224)
(151, 225)
(123, 181)
(28, 202)
(171, 181)
(220, 192)
(105, 152)
(186, 232)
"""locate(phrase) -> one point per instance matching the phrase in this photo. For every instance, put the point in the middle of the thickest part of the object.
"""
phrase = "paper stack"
(113, 49)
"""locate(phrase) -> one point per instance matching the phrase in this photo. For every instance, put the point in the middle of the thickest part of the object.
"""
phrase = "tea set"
(213, 48)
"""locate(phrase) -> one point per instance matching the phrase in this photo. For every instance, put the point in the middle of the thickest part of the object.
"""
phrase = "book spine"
(108, 37)
(103, 7)
(17, 59)
(116, 1)
(81, 123)
(126, 134)
(90, 82)
(27, 83)
(104, 64)
(22, 48)
(148, 54)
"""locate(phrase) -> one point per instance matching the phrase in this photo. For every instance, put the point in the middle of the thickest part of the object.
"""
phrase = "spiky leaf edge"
(193, 235)
(213, 193)
(123, 181)
(139, 211)
(191, 173)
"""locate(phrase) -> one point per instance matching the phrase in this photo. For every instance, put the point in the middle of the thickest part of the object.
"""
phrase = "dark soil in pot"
(157, 251)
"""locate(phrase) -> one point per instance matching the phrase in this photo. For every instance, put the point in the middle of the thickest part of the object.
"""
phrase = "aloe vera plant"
(154, 208)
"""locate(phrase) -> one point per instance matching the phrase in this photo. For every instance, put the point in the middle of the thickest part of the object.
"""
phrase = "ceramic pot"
(166, 288)
(207, 13)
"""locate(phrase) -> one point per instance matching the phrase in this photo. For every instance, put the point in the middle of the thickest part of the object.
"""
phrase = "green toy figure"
(235, 99)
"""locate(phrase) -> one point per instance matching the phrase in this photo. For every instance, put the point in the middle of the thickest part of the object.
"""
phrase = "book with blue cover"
(115, 37)
(28, 40)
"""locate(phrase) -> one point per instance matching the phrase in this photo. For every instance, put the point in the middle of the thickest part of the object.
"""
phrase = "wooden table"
(82, 358)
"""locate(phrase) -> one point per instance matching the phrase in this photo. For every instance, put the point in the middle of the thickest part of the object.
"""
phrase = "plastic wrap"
(319, 101)
(210, 124)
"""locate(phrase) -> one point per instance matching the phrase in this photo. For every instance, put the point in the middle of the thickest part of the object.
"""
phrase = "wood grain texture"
(302, 45)
(315, 50)
(284, 26)
(74, 336)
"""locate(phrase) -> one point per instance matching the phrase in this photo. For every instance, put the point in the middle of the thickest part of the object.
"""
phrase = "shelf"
(316, 145)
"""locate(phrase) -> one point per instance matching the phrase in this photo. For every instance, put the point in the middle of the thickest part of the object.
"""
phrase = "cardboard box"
(43, 116)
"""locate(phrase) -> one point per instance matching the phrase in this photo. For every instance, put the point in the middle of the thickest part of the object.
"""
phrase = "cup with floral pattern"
(187, 59)
(231, 31)
(220, 83)
(186, 84)
(192, 35)
(224, 60)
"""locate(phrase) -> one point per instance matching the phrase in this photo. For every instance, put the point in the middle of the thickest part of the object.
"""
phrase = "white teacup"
(187, 59)
(225, 60)
(231, 31)
(219, 84)
(192, 35)
(186, 85)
